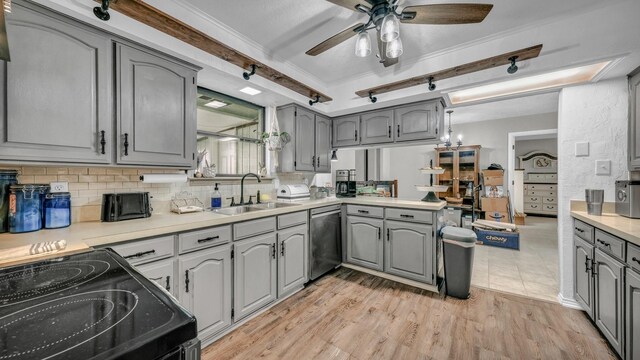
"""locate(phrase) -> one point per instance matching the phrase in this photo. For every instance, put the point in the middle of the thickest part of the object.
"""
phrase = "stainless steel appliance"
(346, 183)
(325, 249)
(125, 206)
(628, 198)
(294, 192)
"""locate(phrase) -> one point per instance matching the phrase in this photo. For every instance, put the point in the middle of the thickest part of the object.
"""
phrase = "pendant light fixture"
(394, 49)
(363, 44)
(390, 28)
(447, 138)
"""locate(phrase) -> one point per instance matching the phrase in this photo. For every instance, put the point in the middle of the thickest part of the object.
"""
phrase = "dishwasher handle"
(326, 214)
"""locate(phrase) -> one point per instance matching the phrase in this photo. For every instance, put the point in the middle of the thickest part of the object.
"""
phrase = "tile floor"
(532, 271)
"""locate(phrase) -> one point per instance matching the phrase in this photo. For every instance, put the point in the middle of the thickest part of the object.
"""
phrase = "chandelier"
(447, 138)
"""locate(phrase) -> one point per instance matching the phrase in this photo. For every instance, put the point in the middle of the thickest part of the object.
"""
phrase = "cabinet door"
(417, 122)
(364, 242)
(608, 298)
(161, 272)
(255, 274)
(408, 251)
(632, 319)
(323, 144)
(582, 276)
(634, 121)
(292, 274)
(56, 91)
(345, 131)
(376, 127)
(205, 288)
(305, 138)
(156, 110)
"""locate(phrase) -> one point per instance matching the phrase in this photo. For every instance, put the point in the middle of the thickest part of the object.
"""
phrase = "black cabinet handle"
(318, 161)
(398, 130)
(200, 241)
(126, 144)
(273, 250)
(406, 216)
(356, 135)
(186, 280)
(603, 243)
(579, 230)
(379, 233)
(389, 131)
(587, 262)
(103, 142)
(140, 254)
(282, 249)
(388, 236)
(636, 260)
(363, 211)
(168, 285)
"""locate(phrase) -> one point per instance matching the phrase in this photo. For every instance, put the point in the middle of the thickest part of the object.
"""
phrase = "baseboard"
(569, 302)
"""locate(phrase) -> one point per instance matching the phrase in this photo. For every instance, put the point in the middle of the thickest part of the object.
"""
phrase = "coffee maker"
(346, 183)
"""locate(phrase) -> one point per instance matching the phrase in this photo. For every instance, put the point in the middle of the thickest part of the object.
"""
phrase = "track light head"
(513, 68)
(372, 98)
(317, 100)
(102, 11)
(247, 75)
(432, 86)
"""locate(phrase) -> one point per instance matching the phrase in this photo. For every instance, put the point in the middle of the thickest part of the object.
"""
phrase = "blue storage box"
(504, 239)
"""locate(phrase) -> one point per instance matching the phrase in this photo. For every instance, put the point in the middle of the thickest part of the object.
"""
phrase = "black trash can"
(458, 244)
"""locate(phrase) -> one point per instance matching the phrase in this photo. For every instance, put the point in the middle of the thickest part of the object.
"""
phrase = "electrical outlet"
(582, 149)
(58, 187)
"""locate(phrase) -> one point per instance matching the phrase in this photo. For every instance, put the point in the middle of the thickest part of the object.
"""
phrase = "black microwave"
(125, 206)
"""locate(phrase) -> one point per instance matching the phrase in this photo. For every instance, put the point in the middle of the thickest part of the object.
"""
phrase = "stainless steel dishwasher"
(325, 249)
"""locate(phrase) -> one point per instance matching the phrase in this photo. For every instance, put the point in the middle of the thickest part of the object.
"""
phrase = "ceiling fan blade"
(443, 14)
(382, 54)
(351, 4)
(334, 40)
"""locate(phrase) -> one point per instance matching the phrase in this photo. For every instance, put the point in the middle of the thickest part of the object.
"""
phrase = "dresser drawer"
(610, 244)
(533, 199)
(633, 256)
(410, 215)
(541, 193)
(532, 207)
(370, 211)
(551, 177)
(549, 207)
(201, 239)
(541, 187)
(583, 230)
(537, 177)
(549, 200)
(254, 227)
(290, 220)
(143, 251)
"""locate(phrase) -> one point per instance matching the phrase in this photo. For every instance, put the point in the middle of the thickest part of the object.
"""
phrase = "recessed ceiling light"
(216, 104)
(552, 80)
(251, 91)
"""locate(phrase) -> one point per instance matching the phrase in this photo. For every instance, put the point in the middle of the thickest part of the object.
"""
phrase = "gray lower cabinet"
(632, 315)
(583, 276)
(345, 131)
(292, 258)
(376, 127)
(205, 288)
(408, 251)
(634, 120)
(255, 274)
(161, 272)
(323, 144)
(417, 122)
(364, 242)
(55, 98)
(155, 109)
(609, 289)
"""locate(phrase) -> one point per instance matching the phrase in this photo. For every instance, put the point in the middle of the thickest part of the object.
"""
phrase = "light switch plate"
(58, 187)
(582, 149)
(603, 167)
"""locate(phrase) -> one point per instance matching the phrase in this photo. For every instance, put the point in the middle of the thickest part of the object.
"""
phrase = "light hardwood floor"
(352, 315)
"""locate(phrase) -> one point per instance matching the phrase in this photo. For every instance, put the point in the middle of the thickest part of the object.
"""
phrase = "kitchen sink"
(237, 210)
(274, 205)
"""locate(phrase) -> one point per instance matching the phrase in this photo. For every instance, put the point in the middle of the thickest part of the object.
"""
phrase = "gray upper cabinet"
(634, 120)
(304, 140)
(417, 122)
(632, 318)
(583, 277)
(376, 127)
(346, 131)
(364, 242)
(162, 273)
(323, 144)
(255, 274)
(205, 288)
(56, 91)
(409, 251)
(292, 257)
(156, 109)
(608, 312)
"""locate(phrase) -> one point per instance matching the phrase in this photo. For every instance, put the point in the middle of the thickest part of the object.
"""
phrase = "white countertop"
(620, 226)
(84, 235)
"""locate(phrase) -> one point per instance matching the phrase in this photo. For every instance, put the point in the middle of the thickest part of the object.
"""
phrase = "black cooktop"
(91, 305)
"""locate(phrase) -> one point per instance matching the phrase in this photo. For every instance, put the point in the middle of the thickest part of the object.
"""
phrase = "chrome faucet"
(242, 186)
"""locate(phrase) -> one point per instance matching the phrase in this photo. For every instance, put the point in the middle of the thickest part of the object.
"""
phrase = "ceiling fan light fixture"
(363, 45)
(390, 28)
(394, 49)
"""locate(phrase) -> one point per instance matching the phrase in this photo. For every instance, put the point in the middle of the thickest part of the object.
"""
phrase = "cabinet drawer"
(410, 215)
(583, 230)
(610, 244)
(540, 187)
(633, 256)
(549, 207)
(533, 199)
(254, 227)
(289, 220)
(536, 177)
(538, 193)
(200, 239)
(370, 211)
(143, 251)
(532, 207)
(551, 177)
(549, 200)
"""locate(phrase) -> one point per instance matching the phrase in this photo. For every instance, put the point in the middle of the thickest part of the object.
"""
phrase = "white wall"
(595, 113)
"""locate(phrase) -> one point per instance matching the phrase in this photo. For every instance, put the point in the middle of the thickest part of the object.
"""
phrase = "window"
(229, 134)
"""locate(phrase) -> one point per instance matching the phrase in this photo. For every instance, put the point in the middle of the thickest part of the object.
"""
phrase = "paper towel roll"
(163, 178)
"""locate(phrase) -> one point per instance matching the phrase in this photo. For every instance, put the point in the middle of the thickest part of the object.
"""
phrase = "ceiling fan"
(385, 19)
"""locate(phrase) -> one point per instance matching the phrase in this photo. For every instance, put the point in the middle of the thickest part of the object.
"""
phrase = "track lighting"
(372, 98)
(513, 68)
(102, 11)
(317, 100)
(247, 75)
(432, 86)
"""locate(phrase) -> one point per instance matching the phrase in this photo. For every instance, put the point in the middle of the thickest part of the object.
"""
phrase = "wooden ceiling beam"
(468, 68)
(169, 25)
